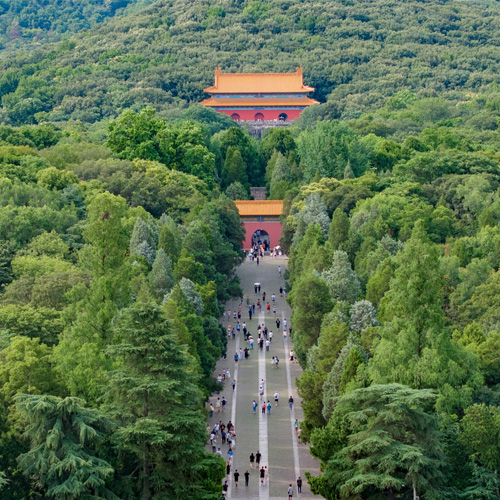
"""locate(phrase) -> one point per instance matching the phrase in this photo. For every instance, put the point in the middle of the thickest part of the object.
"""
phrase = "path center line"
(263, 432)
(292, 412)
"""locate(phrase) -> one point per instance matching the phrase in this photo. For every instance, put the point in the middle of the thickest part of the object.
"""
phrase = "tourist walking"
(247, 477)
(254, 406)
(268, 407)
(290, 492)
(236, 477)
(290, 402)
(276, 398)
(258, 456)
(262, 474)
(252, 460)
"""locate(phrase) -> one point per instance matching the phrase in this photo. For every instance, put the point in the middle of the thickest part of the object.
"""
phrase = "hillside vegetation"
(29, 23)
(356, 53)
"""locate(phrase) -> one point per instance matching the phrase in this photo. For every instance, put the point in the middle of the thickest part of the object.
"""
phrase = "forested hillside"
(29, 23)
(117, 254)
(356, 53)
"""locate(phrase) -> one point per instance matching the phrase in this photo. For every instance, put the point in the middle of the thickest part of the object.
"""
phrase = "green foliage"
(63, 455)
(161, 277)
(311, 300)
(154, 392)
(342, 281)
(387, 441)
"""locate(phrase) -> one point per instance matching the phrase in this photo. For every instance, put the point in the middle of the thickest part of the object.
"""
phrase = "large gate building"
(259, 96)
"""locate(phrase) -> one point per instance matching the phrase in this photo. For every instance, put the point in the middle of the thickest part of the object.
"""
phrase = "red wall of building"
(269, 114)
(272, 228)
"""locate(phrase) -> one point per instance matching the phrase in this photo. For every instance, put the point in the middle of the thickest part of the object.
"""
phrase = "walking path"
(272, 434)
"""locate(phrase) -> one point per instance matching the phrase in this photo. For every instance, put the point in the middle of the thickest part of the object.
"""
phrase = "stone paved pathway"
(273, 435)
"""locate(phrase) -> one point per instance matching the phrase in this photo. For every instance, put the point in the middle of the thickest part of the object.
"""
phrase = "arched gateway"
(261, 219)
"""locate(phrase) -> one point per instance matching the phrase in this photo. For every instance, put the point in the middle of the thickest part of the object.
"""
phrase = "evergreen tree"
(384, 442)
(235, 169)
(170, 239)
(143, 241)
(314, 212)
(161, 277)
(311, 301)
(342, 281)
(348, 172)
(154, 394)
(62, 456)
(415, 346)
(338, 233)
(194, 297)
(236, 191)
(363, 315)
(80, 359)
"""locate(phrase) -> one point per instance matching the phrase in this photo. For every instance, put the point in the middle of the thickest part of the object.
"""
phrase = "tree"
(144, 240)
(342, 281)
(415, 346)
(481, 434)
(154, 395)
(79, 354)
(363, 315)
(338, 233)
(236, 191)
(234, 167)
(348, 173)
(26, 367)
(63, 456)
(314, 212)
(161, 277)
(311, 301)
(385, 441)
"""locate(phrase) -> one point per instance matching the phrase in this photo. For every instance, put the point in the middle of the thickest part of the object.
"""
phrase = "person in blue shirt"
(254, 406)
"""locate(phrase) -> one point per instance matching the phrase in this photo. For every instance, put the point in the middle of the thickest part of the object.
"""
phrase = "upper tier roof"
(257, 83)
(259, 207)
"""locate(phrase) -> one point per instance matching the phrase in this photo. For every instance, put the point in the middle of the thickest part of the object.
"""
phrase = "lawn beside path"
(272, 434)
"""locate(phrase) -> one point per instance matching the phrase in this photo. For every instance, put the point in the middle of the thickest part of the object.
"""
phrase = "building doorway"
(235, 116)
(283, 117)
(259, 117)
(261, 237)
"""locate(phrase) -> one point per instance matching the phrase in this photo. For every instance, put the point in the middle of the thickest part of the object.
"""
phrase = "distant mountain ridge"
(356, 53)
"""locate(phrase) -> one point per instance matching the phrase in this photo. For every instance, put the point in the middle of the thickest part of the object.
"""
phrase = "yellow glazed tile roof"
(258, 83)
(255, 101)
(259, 207)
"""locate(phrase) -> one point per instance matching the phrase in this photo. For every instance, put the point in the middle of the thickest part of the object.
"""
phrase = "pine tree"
(314, 212)
(363, 315)
(338, 233)
(161, 277)
(236, 191)
(62, 457)
(348, 172)
(154, 394)
(143, 241)
(342, 281)
(415, 347)
(235, 169)
(170, 239)
(385, 442)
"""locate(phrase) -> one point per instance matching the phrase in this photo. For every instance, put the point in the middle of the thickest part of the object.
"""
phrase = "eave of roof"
(255, 101)
(259, 207)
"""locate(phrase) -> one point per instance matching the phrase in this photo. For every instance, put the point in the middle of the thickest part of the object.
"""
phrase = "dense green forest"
(29, 23)
(119, 242)
(118, 250)
(356, 53)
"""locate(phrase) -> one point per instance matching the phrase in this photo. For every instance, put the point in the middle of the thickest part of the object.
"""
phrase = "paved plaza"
(272, 434)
